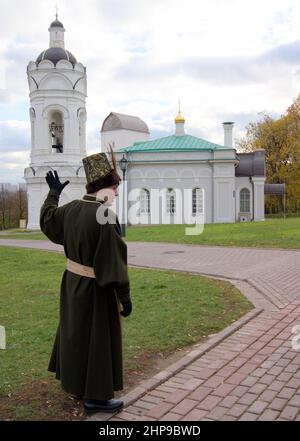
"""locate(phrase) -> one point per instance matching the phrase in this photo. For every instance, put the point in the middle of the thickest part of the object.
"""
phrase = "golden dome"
(179, 118)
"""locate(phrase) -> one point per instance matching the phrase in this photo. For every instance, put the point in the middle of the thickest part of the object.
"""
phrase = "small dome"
(55, 54)
(179, 118)
(56, 24)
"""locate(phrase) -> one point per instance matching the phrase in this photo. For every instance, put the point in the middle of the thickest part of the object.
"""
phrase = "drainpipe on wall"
(212, 189)
(252, 183)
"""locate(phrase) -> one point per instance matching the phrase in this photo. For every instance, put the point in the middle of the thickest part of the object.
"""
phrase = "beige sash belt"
(81, 270)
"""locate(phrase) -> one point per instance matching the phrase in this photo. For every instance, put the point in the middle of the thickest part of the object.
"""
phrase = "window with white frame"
(171, 201)
(144, 201)
(197, 201)
(245, 200)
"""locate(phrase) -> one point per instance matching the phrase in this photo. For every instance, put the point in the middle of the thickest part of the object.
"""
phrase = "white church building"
(168, 180)
(180, 176)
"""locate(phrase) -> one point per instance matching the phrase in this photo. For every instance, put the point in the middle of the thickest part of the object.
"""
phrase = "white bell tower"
(58, 90)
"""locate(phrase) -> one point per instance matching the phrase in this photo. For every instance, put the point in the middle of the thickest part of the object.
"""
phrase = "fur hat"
(99, 172)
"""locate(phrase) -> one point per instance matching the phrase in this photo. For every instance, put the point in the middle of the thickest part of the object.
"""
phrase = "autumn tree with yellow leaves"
(280, 138)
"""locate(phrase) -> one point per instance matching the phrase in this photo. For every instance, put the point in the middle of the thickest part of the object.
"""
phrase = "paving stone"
(209, 403)
(283, 362)
(267, 379)
(159, 410)
(286, 392)
(294, 383)
(214, 381)
(258, 388)
(278, 404)
(275, 370)
(237, 410)
(143, 404)
(268, 364)
(247, 399)
(295, 401)
(224, 389)
(200, 393)
(240, 391)
(247, 368)
(259, 372)
(177, 396)
(236, 378)
(206, 373)
(185, 406)
(249, 381)
(191, 384)
(269, 415)
(268, 395)
(151, 399)
(170, 417)
(229, 401)
(217, 413)
(292, 368)
(227, 371)
(276, 385)
(258, 407)
(248, 417)
(195, 415)
(289, 413)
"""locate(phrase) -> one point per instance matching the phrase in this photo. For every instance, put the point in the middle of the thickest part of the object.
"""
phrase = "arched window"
(56, 129)
(197, 201)
(144, 201)
(245, 200)
(171, 201)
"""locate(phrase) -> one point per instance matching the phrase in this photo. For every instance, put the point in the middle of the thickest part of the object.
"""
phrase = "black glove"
(54, 182)
(127, 308)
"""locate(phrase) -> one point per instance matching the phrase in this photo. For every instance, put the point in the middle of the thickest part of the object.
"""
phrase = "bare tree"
(3, 205)
(13, 207)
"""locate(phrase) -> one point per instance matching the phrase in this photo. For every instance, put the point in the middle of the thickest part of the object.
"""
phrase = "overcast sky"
(226, 60)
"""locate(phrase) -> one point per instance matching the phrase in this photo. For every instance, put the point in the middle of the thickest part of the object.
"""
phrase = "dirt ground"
(44, 400)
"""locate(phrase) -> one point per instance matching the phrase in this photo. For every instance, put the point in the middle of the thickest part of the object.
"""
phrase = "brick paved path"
(251, 375)
(249, 371)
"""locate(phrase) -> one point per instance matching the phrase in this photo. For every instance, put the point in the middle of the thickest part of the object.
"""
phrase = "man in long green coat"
(87, 352)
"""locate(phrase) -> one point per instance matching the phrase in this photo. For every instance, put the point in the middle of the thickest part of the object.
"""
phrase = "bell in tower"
(56, 129)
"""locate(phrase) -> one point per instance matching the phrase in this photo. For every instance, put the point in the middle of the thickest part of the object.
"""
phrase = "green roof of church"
(173, 143)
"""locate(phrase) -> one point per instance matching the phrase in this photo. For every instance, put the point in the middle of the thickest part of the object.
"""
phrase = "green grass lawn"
(273, 233)
(171, 311)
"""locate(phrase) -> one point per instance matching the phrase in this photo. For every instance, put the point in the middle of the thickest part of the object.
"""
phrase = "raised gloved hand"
(127, 308)
(54, 182)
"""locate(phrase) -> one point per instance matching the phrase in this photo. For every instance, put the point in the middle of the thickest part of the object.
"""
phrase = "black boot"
(76, 397)
(108, 406)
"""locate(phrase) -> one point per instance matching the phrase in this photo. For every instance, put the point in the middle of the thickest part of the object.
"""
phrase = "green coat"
(87, 352)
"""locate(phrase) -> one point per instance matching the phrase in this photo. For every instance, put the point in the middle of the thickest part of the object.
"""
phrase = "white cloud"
(225, 59)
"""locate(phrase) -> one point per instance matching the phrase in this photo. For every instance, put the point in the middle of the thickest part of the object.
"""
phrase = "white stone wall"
(259, 198)
(121, 138)
(214, 172)
(37, 189)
